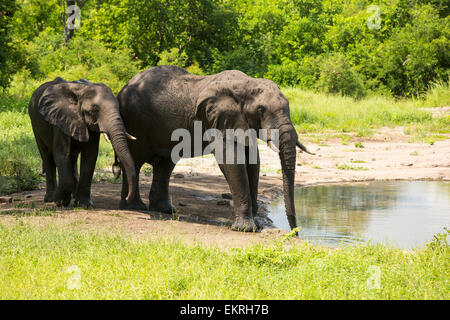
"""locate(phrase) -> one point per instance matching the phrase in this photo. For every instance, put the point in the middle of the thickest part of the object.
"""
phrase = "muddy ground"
(197, 187)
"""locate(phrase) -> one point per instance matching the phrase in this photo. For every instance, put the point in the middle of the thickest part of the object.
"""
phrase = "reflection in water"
(404, 213)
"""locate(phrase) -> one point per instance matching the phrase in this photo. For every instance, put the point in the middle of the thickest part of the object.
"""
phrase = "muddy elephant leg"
(88, 159)
(237, 178)
(253, 179)
(49, 166)
(159, 192)
(136, 203)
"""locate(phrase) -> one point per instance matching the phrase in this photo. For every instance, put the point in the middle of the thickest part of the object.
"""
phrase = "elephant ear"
(220, 106)
(60, 106)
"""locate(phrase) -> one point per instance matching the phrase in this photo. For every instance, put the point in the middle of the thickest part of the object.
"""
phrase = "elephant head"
(82, 106)
(258, 104)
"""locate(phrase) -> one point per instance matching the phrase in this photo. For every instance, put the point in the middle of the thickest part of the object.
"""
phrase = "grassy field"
(53, 263)
(312, 112)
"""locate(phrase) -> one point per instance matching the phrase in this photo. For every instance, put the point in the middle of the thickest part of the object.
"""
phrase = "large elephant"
(161, 99)
(67, 119)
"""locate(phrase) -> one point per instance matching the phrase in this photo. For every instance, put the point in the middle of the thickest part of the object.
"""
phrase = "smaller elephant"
(67, 119)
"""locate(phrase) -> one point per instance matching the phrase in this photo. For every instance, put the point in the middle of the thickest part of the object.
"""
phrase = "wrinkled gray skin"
(161, 99)
(67, 118)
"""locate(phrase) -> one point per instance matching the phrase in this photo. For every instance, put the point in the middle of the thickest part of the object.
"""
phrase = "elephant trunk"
(288, 140)
(117, 133)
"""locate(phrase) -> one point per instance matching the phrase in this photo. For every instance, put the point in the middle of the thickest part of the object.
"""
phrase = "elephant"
(67, 119)
(161, 99)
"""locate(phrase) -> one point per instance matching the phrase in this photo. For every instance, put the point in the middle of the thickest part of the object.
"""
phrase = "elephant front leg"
(159, 192)
(253, 165)
(88, 159)
(238, 182)
(64, 190)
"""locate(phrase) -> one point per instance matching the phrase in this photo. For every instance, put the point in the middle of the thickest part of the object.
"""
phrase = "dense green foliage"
(349, 47)
(60, 263)
(7, 8)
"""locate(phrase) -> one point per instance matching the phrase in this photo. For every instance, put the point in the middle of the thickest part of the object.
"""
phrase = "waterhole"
(405, 214)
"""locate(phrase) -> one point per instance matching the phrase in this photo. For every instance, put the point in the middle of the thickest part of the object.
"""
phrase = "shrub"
(173, 57)
(17, 175)
(246, 59)
(337, 76)
(285, 74)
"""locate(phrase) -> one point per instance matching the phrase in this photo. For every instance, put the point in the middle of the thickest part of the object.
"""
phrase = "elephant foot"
(49, 197)
(63, 202)
(259, 224)
(162, 206)
(244, 225)
(135, 205)
(84, 203)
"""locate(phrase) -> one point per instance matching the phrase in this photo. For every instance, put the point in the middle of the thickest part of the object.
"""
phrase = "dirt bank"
(197, 185)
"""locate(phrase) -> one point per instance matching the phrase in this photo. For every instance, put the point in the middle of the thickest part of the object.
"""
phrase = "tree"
(7, 9)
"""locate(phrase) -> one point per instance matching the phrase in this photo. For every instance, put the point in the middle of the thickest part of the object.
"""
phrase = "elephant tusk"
(129, 136)
(105, 135)
(303, 148)
(272, 146)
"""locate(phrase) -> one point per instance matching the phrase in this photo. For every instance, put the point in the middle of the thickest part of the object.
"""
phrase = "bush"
(338, 77)
(303, 74)
(246, 59)
(286, 74)
(173, 57)
(17, 175)
(81, 58)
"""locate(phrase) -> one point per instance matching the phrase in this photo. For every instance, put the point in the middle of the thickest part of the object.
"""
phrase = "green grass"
(438, 95)
(50, 263)
(317, 112)
(344, 166)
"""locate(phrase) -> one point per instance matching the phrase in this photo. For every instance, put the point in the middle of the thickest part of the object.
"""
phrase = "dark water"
(405, 214)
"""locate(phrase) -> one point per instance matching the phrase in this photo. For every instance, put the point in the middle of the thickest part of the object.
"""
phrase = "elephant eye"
(261, 110)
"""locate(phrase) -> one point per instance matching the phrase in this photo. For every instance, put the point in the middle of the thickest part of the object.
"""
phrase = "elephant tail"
(116, 168)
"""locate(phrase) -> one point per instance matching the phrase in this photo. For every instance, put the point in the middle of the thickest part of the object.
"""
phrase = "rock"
(28, 196)
(178, 175)
(6, 199)
(223, 203)
(406, 164)
(18, 199)
(227, 196)
(182, 204)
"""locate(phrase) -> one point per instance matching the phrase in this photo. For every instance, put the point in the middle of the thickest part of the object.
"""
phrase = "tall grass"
(44, 263)
(438, 95)
(313, 112)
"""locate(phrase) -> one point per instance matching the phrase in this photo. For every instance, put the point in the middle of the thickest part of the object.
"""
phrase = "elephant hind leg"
(159, 192)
